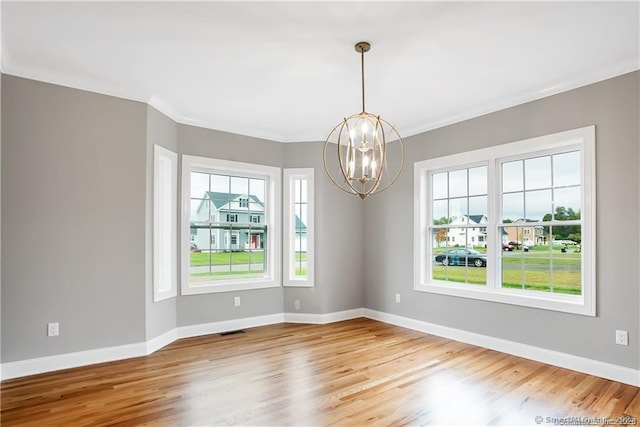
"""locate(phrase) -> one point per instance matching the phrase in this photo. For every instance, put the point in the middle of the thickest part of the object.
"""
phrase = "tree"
(563, 231)
(441, 234)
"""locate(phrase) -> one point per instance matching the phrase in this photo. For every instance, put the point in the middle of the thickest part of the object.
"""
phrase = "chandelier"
(356, 152)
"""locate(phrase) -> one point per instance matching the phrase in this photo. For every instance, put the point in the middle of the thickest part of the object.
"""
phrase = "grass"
(199, 259)
(524, 270)
(562, 281)
(254, 260)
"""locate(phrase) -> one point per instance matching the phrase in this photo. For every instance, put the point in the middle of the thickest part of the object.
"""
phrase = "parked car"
(508, 247)
(462, 257)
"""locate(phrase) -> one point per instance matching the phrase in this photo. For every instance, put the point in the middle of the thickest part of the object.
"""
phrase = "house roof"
(220, 199)
(476, 218)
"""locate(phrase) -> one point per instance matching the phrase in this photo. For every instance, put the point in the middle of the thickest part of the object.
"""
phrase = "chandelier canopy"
(356, 152)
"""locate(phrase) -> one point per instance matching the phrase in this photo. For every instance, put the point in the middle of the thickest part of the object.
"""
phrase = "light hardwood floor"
(356, 372)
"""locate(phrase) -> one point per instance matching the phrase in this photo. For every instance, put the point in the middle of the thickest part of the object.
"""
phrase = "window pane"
(458, 208)
(478, 209)
(199, 185)
(542, 265)
(512, 206)
(566, 169)
(199, 210)
(537, 173)
(513, 235)
(440, 212)
(303, 190)
(567, 202)
(478, 181)
(440, 185)
(512, 176)
(453, 261)
(458, 183)
(220, 183)
(567, 262)
(221, 251)
(537, 204)
(256, 195)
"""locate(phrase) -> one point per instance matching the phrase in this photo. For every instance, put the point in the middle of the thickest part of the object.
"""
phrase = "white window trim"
(582, 139)
(272, 276)
(165, 223)
(289, 279)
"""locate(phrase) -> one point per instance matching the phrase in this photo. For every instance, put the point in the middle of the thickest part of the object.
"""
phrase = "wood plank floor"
(356, 372)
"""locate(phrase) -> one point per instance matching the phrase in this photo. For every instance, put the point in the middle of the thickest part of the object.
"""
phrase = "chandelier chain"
(362, 76)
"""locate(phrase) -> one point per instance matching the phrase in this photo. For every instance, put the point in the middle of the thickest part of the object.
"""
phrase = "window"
(298, 227)
(531, 204)
(255, 218)
(165, 198)
(249, 256)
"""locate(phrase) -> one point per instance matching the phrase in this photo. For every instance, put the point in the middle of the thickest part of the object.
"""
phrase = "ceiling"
(288, 71)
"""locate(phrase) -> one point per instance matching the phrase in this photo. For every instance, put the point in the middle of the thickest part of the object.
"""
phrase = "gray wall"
(73, 219)
(339, 257)
(160, 316)
(612, 106)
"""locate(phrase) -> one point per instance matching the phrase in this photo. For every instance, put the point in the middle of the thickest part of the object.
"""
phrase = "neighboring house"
(529, 235)
(239, 218)
(464, 236)
(239, 223)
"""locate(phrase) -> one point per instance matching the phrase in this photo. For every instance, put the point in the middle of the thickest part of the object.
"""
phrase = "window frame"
(290, 176)
(165, 209)
(582, 139)
(272, 176)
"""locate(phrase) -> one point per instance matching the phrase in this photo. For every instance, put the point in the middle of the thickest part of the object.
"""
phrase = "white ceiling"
(287, 71)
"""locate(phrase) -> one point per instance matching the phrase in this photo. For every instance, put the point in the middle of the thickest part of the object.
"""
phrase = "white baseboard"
(581, 364)
(228, 325)
(323, 318)
(82, 358)
(155, 344)
(40, 365)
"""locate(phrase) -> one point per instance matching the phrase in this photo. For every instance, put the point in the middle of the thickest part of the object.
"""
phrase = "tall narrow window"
(233, 216)
(165, 197)
(299, 228)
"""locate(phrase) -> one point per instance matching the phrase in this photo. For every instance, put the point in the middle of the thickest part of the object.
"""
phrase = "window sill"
(575, 304)
(227, 286)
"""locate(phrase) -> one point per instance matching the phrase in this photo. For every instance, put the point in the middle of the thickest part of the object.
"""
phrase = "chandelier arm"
(383, 150)
(345, 123)
(352, 189)
(402, 153)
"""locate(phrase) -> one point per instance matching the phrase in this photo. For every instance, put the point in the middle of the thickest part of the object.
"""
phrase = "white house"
(231, 221)
(466, 234)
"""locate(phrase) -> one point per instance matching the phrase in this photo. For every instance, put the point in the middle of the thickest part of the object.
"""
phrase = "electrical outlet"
(53, 329)
(296, 304)
(622, 337)
(236, 301)
(397, 297)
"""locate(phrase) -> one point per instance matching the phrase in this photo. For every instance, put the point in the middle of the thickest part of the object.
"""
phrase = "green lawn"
(225, 258)
(250, 262)
(535, 274)
(566, 282)
(198, 259)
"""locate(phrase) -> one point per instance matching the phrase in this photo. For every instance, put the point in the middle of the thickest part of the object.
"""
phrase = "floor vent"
(239, 331)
